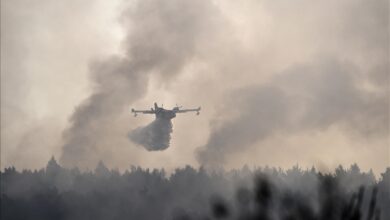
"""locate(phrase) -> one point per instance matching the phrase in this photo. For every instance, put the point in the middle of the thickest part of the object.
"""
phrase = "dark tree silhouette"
(188, 193)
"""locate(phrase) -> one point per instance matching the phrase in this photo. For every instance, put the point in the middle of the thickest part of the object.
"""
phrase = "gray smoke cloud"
(161, 38)
(304, 98)
(154, 136)
(257, 67)
(45, 46)
(339, 87)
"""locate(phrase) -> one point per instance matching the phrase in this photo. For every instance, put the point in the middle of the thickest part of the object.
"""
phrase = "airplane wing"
(189, 110)
(142, 111)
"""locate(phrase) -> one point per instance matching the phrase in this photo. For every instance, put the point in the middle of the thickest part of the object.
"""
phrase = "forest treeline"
(260, 193)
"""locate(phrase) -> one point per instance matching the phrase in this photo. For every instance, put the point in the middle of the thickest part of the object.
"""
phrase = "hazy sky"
(280, 83)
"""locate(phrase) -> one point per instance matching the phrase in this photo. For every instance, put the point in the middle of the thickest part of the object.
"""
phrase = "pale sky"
(280, 83)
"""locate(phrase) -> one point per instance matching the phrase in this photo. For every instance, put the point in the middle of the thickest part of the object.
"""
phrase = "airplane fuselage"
(165, 114)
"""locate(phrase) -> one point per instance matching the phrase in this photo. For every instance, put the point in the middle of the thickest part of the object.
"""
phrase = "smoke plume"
(155, 136)
(161, 38)
(306, 97)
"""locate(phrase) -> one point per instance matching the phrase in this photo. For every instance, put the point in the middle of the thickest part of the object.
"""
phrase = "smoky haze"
(279, 82)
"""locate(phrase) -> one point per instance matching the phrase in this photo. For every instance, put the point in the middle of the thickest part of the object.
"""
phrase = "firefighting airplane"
(160, 112)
